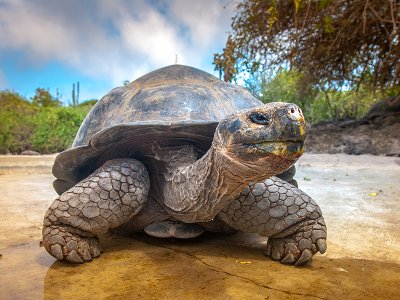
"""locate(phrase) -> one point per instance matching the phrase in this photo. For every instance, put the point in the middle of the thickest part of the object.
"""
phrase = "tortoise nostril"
(294, 113)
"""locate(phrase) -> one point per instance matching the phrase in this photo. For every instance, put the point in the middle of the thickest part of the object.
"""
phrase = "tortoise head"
(267, 139)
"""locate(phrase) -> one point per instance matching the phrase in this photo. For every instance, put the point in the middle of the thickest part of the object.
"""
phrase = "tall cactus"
(77, 93)
(73, 95)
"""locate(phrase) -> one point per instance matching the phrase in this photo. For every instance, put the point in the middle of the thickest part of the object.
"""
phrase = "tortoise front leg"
(109, 197)
(276, 209)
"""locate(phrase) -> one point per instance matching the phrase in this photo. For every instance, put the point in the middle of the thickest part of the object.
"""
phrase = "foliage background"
(42, 125)
(332, 58)
(319, 104)
(335, 42)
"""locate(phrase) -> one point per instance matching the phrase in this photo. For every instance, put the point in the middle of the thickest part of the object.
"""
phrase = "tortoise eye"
(260, 118)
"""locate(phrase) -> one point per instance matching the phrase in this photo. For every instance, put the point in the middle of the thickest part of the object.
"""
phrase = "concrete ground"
(359, 196)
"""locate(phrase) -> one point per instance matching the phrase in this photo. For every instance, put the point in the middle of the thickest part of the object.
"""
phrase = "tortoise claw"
(288, 259)
(268, 251)
(305, 257)
(71, 247)
(299, 247)
(321, 246)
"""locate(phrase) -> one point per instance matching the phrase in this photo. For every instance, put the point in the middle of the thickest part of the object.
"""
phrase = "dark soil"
(374, 134)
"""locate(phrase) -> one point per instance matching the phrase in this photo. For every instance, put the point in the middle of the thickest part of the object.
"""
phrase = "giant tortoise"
(178, 152)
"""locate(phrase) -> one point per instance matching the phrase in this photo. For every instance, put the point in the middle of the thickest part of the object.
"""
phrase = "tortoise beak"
(290, 123)
(284, 149)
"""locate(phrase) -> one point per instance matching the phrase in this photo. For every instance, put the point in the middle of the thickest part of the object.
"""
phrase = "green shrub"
(339, 105)
(17, 122)
(88, 104)
(317, 104)
(56, 128)
(43, 128)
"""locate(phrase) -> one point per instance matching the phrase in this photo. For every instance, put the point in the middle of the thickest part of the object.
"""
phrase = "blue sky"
(55, 43)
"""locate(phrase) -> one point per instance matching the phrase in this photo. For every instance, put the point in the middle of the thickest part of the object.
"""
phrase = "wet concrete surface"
(359, 196)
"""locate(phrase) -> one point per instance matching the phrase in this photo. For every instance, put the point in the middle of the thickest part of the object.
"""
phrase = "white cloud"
(115, 40)
(153, 38)
(206, 20)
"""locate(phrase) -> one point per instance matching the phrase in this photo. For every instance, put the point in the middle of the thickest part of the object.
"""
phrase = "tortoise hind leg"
(276, 209)
(288, 176)
(181, 230)
(217, 226)
(109, 197)
(175, 229)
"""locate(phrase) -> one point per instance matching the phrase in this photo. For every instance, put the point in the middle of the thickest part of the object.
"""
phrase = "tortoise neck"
(198, 191)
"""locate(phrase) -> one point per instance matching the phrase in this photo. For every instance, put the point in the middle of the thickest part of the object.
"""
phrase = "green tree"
(43, 98)
(318, 103)
(56, 127)
(17, 122)
(285, 86)
(40, 127)
(88, 103)
(334, 42)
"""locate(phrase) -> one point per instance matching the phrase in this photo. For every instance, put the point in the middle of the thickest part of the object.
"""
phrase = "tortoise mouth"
(284, 149)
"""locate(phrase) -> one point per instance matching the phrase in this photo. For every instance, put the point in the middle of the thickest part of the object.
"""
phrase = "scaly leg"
(109, 197)
(276, 209)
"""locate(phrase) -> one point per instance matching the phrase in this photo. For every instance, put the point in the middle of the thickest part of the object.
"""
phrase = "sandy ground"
(359, 196)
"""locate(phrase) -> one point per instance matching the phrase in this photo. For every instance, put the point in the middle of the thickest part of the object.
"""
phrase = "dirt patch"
(377, 135)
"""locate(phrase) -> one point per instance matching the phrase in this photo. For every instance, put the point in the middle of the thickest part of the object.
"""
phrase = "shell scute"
(174, 105)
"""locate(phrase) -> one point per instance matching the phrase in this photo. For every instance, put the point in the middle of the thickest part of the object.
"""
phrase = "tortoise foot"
(65, 244)
(176, 229)
(299, 247)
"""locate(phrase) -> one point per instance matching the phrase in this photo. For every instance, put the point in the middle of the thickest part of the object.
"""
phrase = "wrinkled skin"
(231, 187)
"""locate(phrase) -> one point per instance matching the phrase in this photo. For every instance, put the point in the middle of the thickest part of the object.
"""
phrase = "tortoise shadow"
(214, 267)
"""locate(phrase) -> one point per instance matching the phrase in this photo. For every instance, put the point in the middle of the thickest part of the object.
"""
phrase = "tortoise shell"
(172, 107)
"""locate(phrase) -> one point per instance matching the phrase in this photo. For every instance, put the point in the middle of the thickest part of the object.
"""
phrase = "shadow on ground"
(212, 267)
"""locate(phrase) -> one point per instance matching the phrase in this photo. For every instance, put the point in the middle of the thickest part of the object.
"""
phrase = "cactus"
(77, 93)
(73, 94)
(75, 97)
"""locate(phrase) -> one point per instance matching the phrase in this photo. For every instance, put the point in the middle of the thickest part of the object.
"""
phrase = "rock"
(394, 149)
(377, 136)
(29, 152)
(386, 106)
(357, 145)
